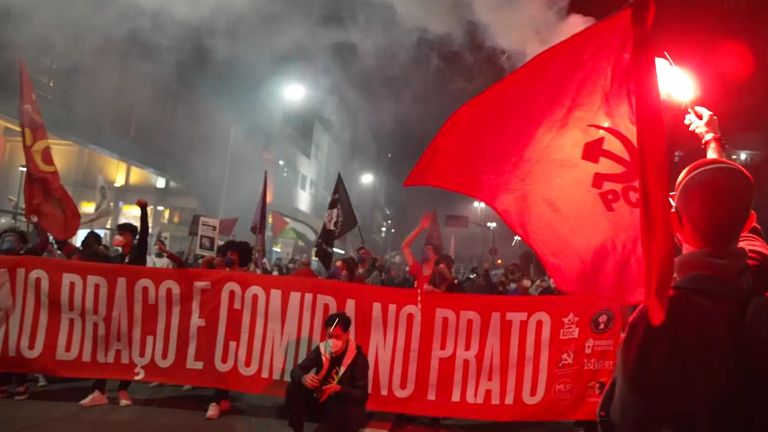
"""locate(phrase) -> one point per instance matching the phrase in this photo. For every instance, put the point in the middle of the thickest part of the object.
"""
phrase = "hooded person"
(330, 385)
(699, 369)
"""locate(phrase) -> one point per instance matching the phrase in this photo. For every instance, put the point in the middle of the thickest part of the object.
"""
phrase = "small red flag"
(44, 195)
(569, 150)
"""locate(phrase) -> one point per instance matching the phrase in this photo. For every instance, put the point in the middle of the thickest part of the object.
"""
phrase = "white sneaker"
(214, 411)
(187, 388)
(155, 384)
(41, 381)
(124, 399)
(94, 399)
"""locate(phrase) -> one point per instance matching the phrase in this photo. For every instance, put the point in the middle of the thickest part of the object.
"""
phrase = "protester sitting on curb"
(331, 384)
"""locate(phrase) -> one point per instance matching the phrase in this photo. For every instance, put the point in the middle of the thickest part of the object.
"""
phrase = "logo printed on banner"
(595, 390)
(563, 391)
(567, 360)
(602, 321)
(570, 330)
(592, 345)
(598, 364)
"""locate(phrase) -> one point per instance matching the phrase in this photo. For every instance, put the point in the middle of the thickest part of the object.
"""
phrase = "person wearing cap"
(331, 384)
(703, 368)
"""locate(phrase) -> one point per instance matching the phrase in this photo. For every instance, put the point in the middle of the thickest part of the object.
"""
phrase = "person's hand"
(328, 391)
(426, 220)
(311, 381)
(33, 219)
(142, 203)
(162, 248)
(703, 123)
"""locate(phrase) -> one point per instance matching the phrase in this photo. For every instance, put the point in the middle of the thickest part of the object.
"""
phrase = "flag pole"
(362, 239)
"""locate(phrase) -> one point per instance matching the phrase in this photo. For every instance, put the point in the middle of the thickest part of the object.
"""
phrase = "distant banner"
(467, 356)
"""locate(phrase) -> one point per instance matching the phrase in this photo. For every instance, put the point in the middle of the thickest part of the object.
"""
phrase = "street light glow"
(491, 225)
(478, 204)
(743, 156)
(294, 92)
(22, 168)
(366, 178)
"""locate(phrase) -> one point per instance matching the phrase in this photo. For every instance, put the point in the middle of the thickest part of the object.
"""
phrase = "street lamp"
(491, 225)
(294, 92)
(478, 204)
(366, 178)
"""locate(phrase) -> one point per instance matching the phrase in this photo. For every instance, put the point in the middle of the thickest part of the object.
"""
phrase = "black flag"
(339, 220)
(259, 226)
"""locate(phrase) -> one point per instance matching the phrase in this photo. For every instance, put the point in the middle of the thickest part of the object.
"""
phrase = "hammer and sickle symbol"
(594, 151)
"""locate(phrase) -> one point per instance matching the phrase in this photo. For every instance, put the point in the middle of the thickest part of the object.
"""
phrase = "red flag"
(227, 226)
(44, 195)
(569, 150)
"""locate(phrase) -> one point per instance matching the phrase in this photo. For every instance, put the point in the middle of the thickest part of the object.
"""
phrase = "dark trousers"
(101, 385)
(18, 379)
(220, 395)
(302, 406)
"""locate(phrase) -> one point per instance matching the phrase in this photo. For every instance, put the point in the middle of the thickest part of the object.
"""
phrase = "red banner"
(481, 357)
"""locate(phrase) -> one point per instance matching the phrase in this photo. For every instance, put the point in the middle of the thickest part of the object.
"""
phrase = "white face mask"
(334, 346)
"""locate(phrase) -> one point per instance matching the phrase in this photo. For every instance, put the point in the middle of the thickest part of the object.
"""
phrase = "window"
(303, 182)
(312, 187)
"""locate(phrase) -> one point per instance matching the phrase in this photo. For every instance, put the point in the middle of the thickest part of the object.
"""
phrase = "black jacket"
(354, 383)
(704, 368)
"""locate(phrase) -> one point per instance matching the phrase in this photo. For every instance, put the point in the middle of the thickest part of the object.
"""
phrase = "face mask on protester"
(229, 262)
(360, 260)
(334, 346)
(118, 241)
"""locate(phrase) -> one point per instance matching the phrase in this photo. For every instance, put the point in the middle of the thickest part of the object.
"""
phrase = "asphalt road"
(167, 408)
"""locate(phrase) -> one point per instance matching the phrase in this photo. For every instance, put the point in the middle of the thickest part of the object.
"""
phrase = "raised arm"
(142, 244)
(426, 220)
(704, 123)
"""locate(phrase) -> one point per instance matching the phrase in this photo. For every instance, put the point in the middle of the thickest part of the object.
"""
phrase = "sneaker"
(155, 384)
(225, 405)
(187, 388)
(94, 399)
(41, 381)
(214, 411)
(124, 399)
(21, 393)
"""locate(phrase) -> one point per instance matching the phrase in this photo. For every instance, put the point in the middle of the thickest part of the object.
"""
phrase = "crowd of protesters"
(432, 273)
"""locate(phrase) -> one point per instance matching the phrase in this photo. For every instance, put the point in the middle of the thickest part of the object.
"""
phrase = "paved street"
(168, 408)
